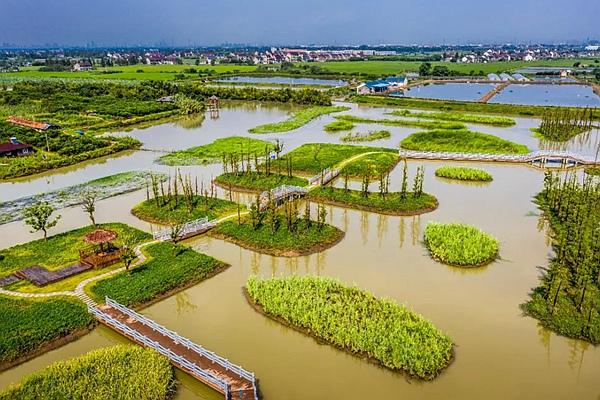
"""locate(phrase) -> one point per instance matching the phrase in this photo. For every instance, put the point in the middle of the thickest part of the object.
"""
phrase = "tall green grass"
(337, 126)
(454, 116)
(355, 321)
(298, 119)
(461, 141)
(119, 372)
(464, 174)
(366, 137)
(403, 122)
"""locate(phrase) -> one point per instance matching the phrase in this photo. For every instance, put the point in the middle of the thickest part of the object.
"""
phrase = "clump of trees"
(567, 301)
(177, 191)
(561, 124)
(245, 163)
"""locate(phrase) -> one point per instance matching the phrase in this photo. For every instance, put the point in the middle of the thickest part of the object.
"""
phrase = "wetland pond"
(499, 353)
(284, 80)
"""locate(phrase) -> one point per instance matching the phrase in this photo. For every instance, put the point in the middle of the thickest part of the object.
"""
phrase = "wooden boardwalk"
(494, 91)
(537, 157)
(232, 381)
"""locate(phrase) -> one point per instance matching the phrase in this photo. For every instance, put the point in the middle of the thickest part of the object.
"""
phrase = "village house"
(382, 85)
(38, 126)
(82, 66)
(15, 149)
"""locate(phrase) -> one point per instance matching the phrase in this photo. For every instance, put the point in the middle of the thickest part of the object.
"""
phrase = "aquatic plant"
(464, 174)
(337, 126)
(403, 122)
(356, 321)
(298, 119)
(460, 244)
(461, 141)
(459, 117)
(366, 137)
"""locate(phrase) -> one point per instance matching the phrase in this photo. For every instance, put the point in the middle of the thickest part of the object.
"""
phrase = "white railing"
(281, 192)
(186, 229)
(324, 176)
(185, 342)
(563, 156)
(193, 368)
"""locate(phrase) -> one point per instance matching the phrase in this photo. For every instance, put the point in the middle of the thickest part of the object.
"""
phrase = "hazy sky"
(184, 22)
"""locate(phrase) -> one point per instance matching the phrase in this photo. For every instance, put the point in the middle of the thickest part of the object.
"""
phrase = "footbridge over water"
(541, 157)
(234, 382)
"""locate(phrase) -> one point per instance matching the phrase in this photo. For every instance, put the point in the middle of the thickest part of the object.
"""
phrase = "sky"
(279, 22)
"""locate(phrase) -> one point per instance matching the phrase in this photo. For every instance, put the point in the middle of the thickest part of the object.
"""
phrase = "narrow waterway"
(499, 353)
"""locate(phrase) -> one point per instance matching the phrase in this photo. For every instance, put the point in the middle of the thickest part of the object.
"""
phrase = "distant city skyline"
(267, 22)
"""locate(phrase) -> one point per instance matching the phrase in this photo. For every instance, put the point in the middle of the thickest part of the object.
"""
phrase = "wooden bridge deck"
(229, 379)
(541, 156)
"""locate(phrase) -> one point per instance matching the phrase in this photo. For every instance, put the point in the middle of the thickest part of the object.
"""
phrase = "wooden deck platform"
(232, 381)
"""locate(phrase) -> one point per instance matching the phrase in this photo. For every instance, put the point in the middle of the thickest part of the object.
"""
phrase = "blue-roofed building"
(381, 85)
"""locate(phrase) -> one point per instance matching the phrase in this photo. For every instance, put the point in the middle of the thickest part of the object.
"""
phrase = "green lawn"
(119, 372)
(166, 210)
(27, 324)
(168, 268)
(391, 204)
(257, 181)
(356, 321)
(461, 141)
(213, 152)
(298, 119)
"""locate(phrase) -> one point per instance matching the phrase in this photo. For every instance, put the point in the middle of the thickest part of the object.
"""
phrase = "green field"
(129, 72)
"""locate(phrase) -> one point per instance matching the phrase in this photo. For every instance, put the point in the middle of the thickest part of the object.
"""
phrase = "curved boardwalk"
(227, 378)
(541, 157)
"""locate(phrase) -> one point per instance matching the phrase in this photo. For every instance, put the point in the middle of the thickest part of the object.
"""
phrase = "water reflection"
(185, 305)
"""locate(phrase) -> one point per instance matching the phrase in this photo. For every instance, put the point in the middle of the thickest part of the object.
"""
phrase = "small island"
(460, 245)
(461, 141)
(256, 182)
(354, 321)
(298, 119)
(463, 174)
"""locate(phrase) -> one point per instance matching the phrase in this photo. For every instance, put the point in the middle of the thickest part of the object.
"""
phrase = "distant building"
(82, 66)
(564, 73)
(15, 149)
(382, 85)
(166, 99)
(397, 81)
(38, 126)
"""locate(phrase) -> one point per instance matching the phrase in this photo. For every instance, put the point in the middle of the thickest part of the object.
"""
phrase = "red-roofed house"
(12, 149)
(39, 126)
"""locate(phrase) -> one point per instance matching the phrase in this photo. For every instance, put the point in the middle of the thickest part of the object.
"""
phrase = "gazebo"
(103, 251)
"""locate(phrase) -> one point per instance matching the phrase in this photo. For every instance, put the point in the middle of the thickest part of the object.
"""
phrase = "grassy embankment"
(170, 210)
(354, 321)
(460, 106)
(403, 122)
(59, 251)
(256, 181)
(458, 117)
(461, 141)
(391, 204)
(337, 126)
(31, 326)
(366, 136)
(298, 119)
(312, 158)
(306, 237)
(213, 152)
(460, 245)
(464, 174)
(169, 268)
(120, 372)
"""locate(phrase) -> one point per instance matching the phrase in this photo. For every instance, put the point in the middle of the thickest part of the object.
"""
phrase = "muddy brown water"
(499, 353)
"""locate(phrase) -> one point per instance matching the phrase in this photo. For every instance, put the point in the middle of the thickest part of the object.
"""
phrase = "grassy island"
(280, 235)
(120, 372)
(390, 203)
(464, 174)
(461, 141)
(169, 268)
(298, 119)
(256, 181)
(403, 122)
(355, 321)
(458, 117)
(366, 137)
(167, 210)
(312, 158)
(31, 326)
(566, 301)
(337, 126)
(460, 244)
(214, 152)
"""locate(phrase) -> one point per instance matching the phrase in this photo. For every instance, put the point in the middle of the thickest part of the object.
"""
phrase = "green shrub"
(356, 321)
(460, 244)
(27, 324)
(461, 141)
(119, 372)
(464, 174)
(298, 119)
(163, 272)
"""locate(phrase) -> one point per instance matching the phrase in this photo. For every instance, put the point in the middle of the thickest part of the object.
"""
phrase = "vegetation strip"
(403, 122)
(366, 137)
(337, 126)
(256, 181)
(298, 119)
(464, 174)
(447, 116)
(562, 124)
(119, 372)
(170, 267)
(355, 321)
(461, 141)
(566, 301)
(213, 152)
(460, 244)
(102, 188)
